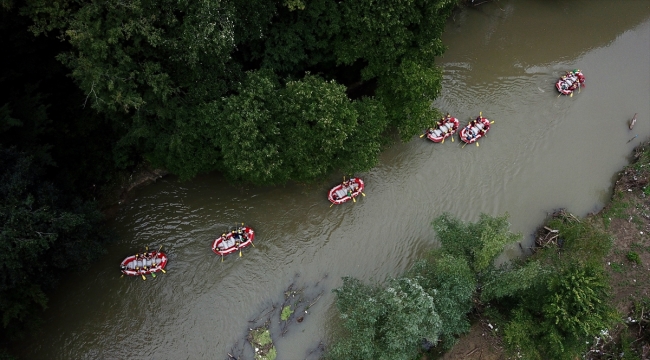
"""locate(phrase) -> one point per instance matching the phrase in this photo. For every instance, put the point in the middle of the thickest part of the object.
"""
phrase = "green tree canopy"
(480, 243)
(384, 322)
(43, 233)
(257, 89)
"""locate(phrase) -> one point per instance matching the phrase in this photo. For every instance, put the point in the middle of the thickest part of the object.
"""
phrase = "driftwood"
(547, 239)
(633, 121)
(546, 236)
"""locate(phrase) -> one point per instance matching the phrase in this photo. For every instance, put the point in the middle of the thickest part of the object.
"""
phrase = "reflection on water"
(542, 153)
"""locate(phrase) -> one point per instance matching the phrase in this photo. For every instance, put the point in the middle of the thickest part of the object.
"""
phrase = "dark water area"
(542, 153)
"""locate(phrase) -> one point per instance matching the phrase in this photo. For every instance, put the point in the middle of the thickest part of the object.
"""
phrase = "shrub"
(633, 257)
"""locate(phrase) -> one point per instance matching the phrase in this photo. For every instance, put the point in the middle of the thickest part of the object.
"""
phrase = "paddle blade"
(477, 144)
(332, 205)
(452, 138)
(252, 244)
(221, 258)
(421, 136)
(443, 141)
(143, 277)
(163, 270)
(153, 275)
(492, 122)
(239, 252)
(364, 195)
(480, 113)
(354, 200)
(571, 95)
(122, 276)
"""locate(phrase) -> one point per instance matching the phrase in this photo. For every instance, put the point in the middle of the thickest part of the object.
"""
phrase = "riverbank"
(120, 190)
(626, 219)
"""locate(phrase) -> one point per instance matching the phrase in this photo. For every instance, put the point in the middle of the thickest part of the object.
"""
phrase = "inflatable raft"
(144, 264)
(475, 130)
(234, 240)
(571, 81)
(445, 129)
(346, 191)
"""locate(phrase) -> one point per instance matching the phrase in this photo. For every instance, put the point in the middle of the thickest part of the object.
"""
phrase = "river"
(542, 153)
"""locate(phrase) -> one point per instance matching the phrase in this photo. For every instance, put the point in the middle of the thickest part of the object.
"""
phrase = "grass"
(633, 257)
(616, 209)
(616, 267)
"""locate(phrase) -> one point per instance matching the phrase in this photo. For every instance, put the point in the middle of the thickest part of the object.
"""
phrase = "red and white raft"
(476, 129)
(144, 264)
(445, 129)
(346, 191)
(229, 243)
(571, 81)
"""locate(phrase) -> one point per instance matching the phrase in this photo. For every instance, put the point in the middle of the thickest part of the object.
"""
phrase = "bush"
(555, 314)
(384, 323)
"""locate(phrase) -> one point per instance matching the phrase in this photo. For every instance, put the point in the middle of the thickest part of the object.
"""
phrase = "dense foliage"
(548, 306)
(556, 302)
(43, 233)
(264, 91)
(428, 305)
(49, 174)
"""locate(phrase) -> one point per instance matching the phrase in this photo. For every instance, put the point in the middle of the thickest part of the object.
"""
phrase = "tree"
(480, 243)
(557, 301)
(560, 315)
(436, 293)
(176, 78)
(301, 131)
(384, 323)
(451, 283)
(43, 233)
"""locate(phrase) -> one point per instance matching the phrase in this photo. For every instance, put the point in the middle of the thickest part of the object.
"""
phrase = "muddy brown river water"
(542, 153)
